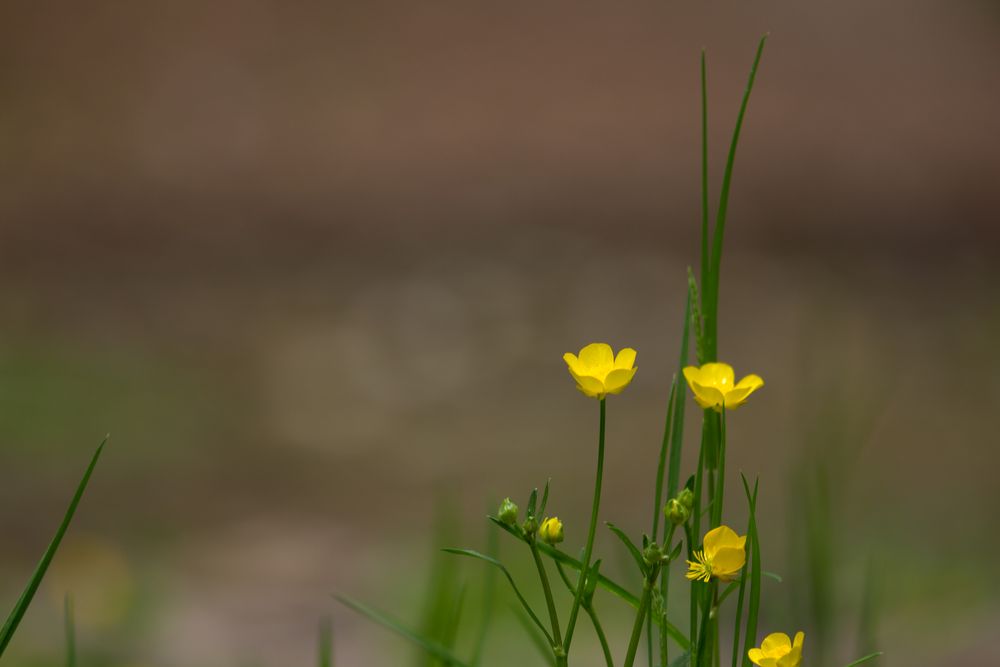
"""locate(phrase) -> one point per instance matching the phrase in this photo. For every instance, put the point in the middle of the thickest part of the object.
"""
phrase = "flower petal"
(757, 657)
(728, 561)
(738, 395)
(719, 538)
(589, 385)
(573, 363)
(776, 644)
(625, 358)
(717, 375)
(800, 638)
(618, 379)
(707, 397)
(792, 659)
(597, 357)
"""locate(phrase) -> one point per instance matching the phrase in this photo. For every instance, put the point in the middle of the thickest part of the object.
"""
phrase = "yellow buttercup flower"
(713, 386)
(777, 650)
(722, 556)
(551, 531)
(598, 372)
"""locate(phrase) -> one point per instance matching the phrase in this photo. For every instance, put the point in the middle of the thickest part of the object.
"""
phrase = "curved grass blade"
(868, 657)
(17, 613)
(429, 645)
(632, 549)
(493, 561)
(537, 639)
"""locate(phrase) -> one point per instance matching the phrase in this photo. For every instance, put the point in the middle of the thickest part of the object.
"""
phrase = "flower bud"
(677, 513)
(507, 512)
(551, 531)
(652, 554)
(686, 497)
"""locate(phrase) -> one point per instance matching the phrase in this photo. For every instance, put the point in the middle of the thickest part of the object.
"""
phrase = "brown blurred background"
(314, 266)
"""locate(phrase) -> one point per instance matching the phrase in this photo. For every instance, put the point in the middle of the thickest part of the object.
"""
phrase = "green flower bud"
(652, 554)
(686, 497)
(677, 512)
(508, 512)
(551, 531)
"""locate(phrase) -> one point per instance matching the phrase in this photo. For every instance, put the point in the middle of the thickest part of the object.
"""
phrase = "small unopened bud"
(686, 497)
(551, 531)
(652, 554)
(529, 526)
(507, 512)
(677, 512)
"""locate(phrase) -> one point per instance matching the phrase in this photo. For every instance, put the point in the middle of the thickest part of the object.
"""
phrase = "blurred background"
(314, 266)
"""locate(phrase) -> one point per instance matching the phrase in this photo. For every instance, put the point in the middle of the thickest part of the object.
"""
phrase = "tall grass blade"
(489, 597)
(754, 604)
(325, 643)
(431, 646)
(710, 283)
(17, 613)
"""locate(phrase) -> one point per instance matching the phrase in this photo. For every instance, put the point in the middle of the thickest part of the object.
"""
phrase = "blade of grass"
(70, 627)
(864, 659)
(21, 606)
(680, 399)
(704, 174)
(493, 561)
(661, 467)
(739, 601)
(432, 647)
(325, 643)
(754, 604)
(710, 283)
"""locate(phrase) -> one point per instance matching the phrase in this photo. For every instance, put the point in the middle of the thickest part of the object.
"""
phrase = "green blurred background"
(314, 266)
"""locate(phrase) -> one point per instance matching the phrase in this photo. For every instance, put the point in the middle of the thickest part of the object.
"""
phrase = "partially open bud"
(551, 531)
(677, 512)
(507, 512)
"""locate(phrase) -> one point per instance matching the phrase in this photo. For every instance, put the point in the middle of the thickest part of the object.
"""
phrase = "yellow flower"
(598, 372)
(723, 555)
(551, 531)
(777, 650)
(713, 386)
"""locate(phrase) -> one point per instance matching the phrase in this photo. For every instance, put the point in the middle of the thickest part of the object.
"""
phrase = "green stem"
(720, 488)
(600, 635)
(589, 548)
(550, 602)
(640, 615)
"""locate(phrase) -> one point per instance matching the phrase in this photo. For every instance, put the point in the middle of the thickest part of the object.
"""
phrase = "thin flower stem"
(589, 548)
(721, 485)
(550, 603)
(600, 635)
(640, 614)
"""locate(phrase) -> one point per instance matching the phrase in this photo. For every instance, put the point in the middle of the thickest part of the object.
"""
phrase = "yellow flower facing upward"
(713, 386)
(777, 650)
(722, 556)
(598, 372)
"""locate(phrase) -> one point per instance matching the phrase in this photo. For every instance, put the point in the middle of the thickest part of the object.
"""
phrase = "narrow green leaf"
(538, 640)
(489, 595)
(753, 607)
(325, 643)
(545, 498)
(680, 401)
(868, 657)
(737, 625)
(532, 503)
(17, 613)
(661, 466)
(632, 549)
(493, 561)
(432, 647)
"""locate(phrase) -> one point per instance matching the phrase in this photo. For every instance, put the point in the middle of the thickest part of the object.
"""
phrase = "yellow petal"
(692, 374)
(573, 363)
(792, 659)
(706, 397)
(757, 657)
(753, 382)
(800, 638)
(728, 561)
(738, 395)
(590, 386)
(720, 537)
(597, 357)
(618, 379)
(776, 644)
(625, 358)
(717, 375)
